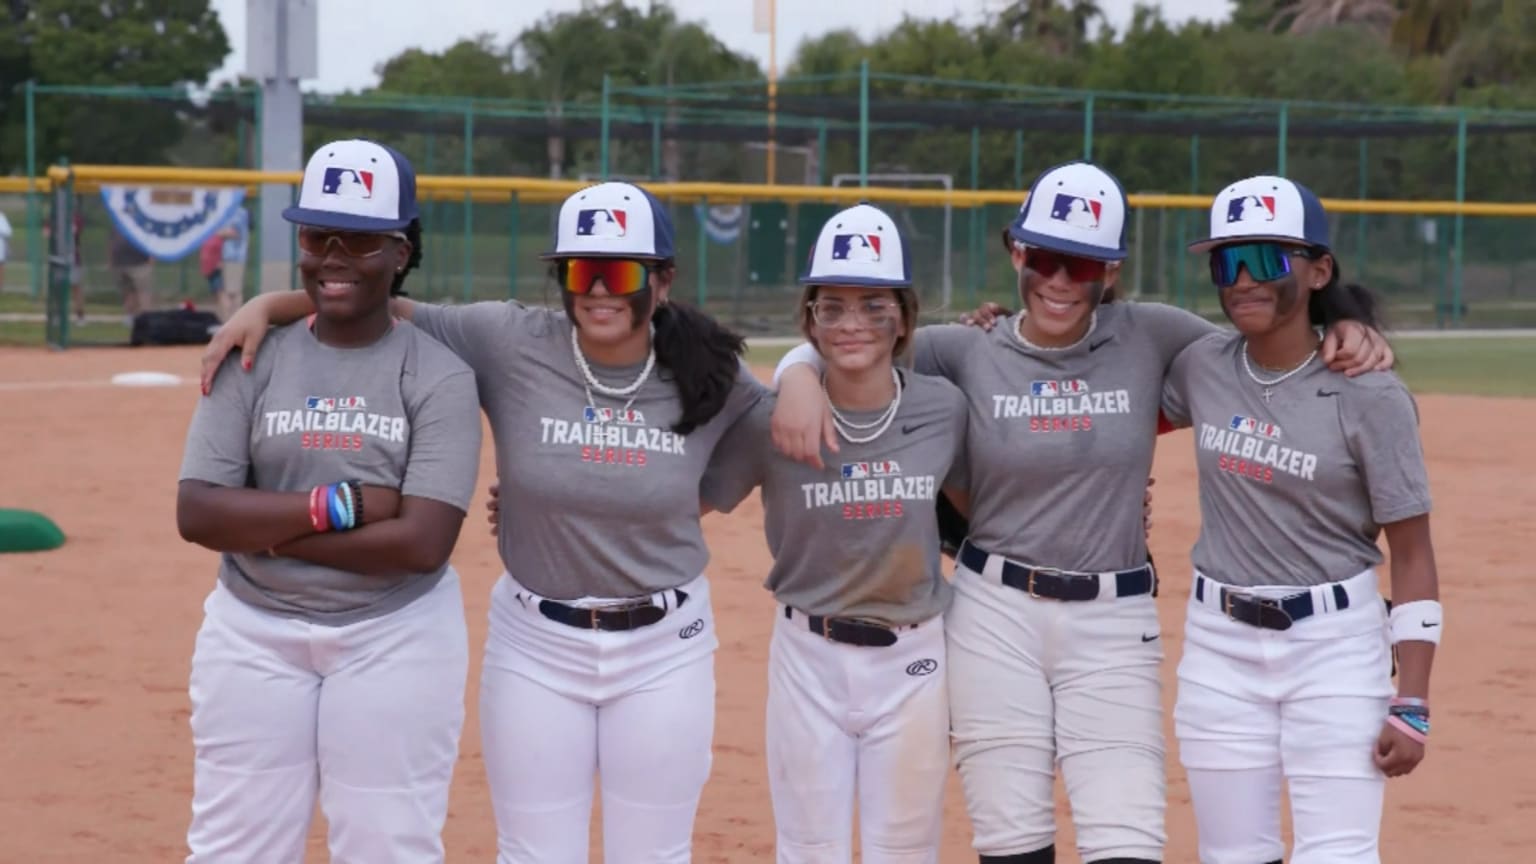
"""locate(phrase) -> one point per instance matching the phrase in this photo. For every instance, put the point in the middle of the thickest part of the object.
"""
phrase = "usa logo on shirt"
(1250, 426)
(1071, 387)
(621, 416)
(335, 403)
(863, 470)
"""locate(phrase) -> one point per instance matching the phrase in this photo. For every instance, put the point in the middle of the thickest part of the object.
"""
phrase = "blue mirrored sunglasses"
(1265, 262)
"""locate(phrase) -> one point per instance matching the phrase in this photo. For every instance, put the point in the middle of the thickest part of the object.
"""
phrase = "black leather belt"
(1058, 584)
(628, 616)
(849, 631)
(1269, 613)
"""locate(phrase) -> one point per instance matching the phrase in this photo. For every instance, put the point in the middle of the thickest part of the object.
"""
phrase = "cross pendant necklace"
(1269, 385)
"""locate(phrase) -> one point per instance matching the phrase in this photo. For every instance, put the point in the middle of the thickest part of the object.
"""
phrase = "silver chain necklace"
(591, 383)
(879, 424)
(1018, 333)
(1269, 386)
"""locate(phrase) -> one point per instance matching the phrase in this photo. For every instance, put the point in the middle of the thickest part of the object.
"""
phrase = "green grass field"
(1473, 365)
(1476, 366)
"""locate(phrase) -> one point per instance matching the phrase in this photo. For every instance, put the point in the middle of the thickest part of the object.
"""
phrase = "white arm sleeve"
(805, 352)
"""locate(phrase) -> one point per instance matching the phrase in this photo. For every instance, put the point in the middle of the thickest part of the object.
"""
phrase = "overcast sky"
(357, 35)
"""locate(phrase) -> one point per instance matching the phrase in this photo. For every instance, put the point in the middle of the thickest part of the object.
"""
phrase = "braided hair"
(413, 237)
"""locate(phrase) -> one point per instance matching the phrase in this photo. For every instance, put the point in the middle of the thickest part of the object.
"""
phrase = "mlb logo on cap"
(1074, 209)
(1078, 211)
(601, 223)
(859, 246)
(347, 182)
(856, 247)
(612, 220)
(1266, 208)
(356, 185)
(1251, 208)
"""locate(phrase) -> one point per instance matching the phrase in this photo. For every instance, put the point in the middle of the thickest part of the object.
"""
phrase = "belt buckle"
(1030, 582)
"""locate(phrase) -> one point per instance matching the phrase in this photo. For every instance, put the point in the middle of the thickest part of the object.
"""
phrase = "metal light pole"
(281, 50)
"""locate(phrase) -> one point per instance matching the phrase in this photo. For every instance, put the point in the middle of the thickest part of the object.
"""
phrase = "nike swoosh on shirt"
(1326, 393)
(909, 428)
(1094, 346)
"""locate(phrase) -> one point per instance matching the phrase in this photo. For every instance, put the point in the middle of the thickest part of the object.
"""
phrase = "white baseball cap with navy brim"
(613, 220)
(1266, 208)
(859, 246)
(356, 185)
(1076, 209)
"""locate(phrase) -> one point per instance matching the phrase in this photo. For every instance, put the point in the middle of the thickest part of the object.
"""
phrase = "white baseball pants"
(1036, 682)
(367, 715)
(850, 723)
(1306, 704)
(633, 710)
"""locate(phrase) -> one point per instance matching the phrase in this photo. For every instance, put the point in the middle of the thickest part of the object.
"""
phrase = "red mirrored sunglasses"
(1046, 263)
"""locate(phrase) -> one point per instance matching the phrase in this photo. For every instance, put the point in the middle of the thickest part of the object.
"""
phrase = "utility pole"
(281, 51)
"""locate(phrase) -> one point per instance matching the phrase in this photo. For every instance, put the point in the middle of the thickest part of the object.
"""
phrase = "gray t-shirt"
(1060, 442)
(1295, 491)
(859, 537)
(397, 413)
(596, 500)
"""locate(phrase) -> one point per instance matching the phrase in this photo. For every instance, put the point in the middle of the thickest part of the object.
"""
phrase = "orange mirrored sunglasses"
(620, 276)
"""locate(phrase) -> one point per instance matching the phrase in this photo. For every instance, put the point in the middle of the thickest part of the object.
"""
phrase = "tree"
(105, 42)
(1061, 25)
(1430, 27)
(1310, 16)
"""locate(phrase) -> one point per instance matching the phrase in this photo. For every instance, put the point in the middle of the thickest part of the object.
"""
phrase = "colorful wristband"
(344, 492)
(1416, 728)
(357, 502)
(318, 514)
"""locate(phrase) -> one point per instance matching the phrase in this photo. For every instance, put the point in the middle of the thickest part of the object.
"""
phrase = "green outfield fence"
(1425, 200)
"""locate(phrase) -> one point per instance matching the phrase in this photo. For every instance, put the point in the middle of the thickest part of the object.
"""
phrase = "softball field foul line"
(89, 384)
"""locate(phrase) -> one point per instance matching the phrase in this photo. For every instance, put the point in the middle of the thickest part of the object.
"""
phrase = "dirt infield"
(95, 754)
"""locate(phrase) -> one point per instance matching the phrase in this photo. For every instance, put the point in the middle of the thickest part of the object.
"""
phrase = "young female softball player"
(1052, 637)
(1288, 646)
(334, 479)
(600, 658)
(857, 707)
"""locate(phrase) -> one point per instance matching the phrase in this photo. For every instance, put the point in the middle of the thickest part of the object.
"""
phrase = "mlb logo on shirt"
(318, 403)
(1251, 208)
(1250, 426)
(605, 222)
(596, 415)
(1045, 388)
(1077, 211)
(856, 247)
(347, 183)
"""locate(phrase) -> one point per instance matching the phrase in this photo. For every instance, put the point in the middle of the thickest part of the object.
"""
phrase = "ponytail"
(1337, 302)
(703, 356)
(413, 237)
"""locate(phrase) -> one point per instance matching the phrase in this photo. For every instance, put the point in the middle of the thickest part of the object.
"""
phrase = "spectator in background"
(210, 262)
(131, 268)
(237, 236)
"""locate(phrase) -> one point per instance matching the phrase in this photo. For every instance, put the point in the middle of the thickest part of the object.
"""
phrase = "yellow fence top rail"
(21, 185)
(539, 190)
